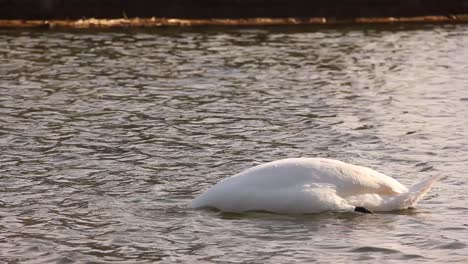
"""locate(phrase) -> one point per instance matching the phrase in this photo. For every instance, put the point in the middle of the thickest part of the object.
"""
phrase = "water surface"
(106, 136)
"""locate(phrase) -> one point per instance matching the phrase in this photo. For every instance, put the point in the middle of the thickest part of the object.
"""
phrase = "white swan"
(311, 185)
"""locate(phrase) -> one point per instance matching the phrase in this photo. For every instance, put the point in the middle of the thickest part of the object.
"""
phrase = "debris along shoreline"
(168, 22)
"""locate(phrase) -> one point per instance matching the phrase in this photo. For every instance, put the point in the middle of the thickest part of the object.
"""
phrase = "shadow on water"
(313, 217)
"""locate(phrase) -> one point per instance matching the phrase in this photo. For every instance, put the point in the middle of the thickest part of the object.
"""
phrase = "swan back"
(346, 179)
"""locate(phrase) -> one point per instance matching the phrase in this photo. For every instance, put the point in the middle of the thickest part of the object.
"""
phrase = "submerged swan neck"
(364, 210)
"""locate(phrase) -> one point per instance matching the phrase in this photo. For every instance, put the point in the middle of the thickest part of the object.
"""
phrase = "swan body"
(310, 185)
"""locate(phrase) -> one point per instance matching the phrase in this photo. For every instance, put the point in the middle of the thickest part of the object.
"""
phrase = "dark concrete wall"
(339, 9)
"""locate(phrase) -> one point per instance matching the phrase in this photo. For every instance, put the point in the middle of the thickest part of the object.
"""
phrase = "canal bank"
(112, 13)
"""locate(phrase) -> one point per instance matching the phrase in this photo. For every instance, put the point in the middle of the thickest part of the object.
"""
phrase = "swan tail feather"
(418, 191)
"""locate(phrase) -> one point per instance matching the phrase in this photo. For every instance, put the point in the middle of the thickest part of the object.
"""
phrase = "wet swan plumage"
(310, 185)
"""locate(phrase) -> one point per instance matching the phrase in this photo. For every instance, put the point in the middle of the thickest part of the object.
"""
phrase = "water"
(106, 136)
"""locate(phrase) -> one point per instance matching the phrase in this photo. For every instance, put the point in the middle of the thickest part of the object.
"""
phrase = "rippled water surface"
(106, 136)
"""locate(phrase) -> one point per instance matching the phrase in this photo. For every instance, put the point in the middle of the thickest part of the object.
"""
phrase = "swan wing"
(295, 200)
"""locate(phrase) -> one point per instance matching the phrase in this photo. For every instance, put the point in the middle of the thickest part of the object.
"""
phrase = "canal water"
(106, 136)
